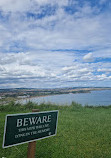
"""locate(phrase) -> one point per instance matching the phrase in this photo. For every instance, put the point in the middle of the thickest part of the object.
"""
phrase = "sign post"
(31, 149)
(32, 145)
(29, 127)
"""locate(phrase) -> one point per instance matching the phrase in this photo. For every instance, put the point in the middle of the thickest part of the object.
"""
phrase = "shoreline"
(68, 98)
(29, 98)
(71, 92)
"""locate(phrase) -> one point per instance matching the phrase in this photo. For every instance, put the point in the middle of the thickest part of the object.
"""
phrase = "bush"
(30, 105)
(75, 106)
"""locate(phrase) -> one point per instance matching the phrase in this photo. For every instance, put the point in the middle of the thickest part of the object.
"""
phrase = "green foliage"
(30, 105)
(46, 106)
(8, 107)
(75, 106)
(97, 107)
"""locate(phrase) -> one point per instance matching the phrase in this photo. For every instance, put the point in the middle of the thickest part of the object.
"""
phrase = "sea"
(92, 98)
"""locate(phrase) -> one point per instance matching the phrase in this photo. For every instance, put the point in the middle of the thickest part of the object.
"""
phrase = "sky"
(55, 43)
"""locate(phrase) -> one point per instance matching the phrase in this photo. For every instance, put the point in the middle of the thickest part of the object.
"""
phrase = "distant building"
(24, 96)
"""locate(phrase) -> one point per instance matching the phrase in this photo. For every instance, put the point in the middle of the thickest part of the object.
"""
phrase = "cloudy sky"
(55, 43)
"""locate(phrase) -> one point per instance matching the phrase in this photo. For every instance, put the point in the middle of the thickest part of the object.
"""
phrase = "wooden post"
(32, 145)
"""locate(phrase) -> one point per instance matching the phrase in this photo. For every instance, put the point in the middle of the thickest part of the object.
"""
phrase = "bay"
(95, 98)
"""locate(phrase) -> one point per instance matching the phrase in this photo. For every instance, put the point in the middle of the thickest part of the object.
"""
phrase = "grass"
(83, 132)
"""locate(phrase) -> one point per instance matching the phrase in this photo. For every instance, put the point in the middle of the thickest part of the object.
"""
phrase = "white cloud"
(103, 53)
(102, 77)
(15, 5)
(52, 2)
(48, 69)
(28, 5)
(108, 70)
(27, 43)
(69, 31)
(88, 57)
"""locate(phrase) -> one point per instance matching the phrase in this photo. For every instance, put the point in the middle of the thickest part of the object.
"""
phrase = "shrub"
(30, 105)
(75, 106)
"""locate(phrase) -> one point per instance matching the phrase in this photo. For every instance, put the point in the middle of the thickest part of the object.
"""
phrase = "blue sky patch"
(46, 10)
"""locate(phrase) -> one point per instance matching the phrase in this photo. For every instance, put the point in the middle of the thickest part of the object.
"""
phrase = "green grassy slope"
(82, 133)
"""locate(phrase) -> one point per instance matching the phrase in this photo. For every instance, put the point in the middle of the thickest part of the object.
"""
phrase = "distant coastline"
(92, 98)
(7, 95)
(31, 92)
(18, 95)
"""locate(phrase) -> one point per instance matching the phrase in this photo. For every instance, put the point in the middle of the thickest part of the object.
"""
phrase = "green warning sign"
(22, 128)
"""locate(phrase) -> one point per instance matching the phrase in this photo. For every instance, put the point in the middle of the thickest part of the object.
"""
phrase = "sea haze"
(95, 98)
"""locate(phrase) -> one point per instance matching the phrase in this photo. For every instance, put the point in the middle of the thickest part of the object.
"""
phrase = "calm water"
(102, 97)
